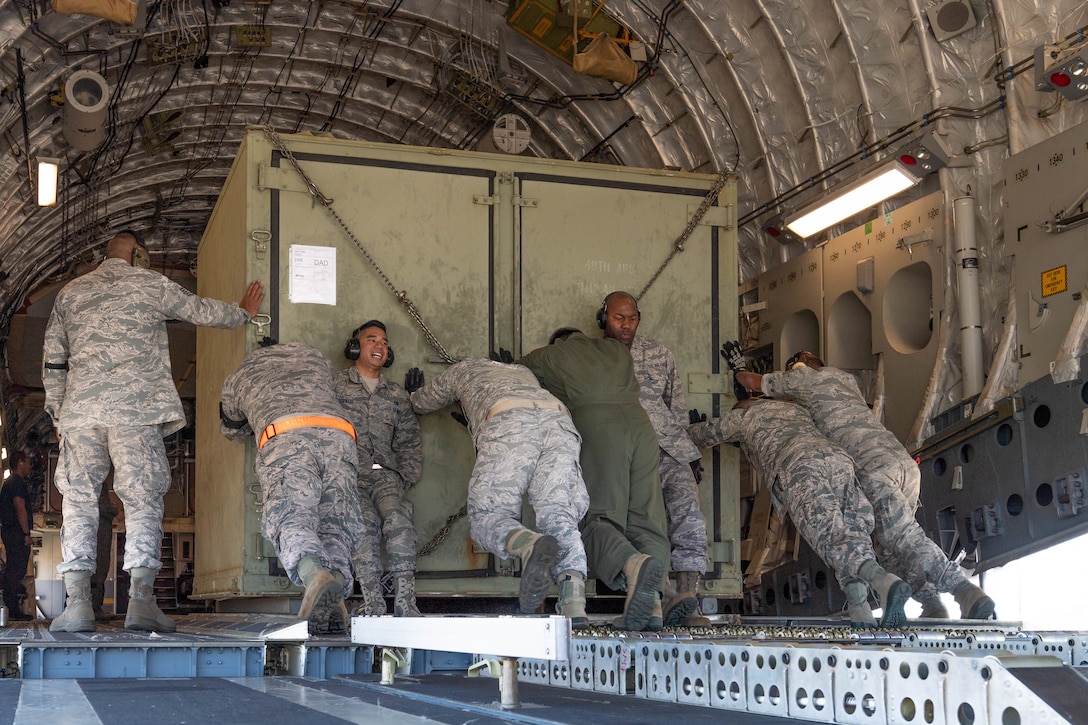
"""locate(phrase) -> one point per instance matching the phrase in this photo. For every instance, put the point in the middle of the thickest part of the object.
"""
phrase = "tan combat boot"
(537, 553)
(932, 606)
(688, 583)
(572, 600)
(974, 603)
(78, 615)
(642, 576)
(404, 604)
(857, 605)
(891, 591)
(322, 605)
(373, 601)
(144, 614)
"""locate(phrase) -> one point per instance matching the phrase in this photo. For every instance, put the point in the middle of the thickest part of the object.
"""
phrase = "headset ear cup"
(352, 349)
(388, 358)
(602, 316)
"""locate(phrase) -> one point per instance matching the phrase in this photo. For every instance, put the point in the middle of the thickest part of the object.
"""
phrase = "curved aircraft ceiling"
(786, 94)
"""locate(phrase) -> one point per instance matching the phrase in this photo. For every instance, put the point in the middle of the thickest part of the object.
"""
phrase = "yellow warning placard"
(1055, 281)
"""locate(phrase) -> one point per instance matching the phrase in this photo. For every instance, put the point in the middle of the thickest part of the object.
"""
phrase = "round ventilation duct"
(86, 108)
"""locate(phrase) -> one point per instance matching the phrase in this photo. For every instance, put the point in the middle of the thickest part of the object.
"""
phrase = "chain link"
(709, 200)
(438, 538)
(326, 202)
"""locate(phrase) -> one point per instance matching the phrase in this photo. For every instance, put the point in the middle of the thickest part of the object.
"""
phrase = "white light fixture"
(48, 173)
(876, 186)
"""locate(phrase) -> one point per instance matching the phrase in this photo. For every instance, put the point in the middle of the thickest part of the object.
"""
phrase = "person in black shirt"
(15, 524)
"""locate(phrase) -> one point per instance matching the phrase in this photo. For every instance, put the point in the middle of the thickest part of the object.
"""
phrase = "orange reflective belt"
(304, 421)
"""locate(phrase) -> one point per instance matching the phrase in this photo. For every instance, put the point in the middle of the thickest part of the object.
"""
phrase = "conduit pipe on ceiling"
(970, 300)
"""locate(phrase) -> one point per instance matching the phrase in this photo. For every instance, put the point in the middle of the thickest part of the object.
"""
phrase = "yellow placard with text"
(1055, 281)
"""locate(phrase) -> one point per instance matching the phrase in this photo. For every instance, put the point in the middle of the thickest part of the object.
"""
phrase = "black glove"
(694, 416)
(697, 469)
(413, 380)
(460, 418)
(734, 356)
(230, 422)
(503, 356)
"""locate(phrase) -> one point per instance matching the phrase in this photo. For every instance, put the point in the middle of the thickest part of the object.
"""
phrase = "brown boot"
(572, 600)
(891, 591)
(144, 614)
(537, 553)
(78, 614)
(857, 605)
(932, 606)
(688, 582)
(974, 603)
(642, 574)
(373, 601)
(404, 604)
(323, 604)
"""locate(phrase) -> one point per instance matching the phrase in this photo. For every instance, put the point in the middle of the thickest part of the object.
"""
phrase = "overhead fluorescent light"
(48, 173)
(876, 186)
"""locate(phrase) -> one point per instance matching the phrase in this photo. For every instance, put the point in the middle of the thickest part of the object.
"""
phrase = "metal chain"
(438, 538)
(326, 202)
(709, 200)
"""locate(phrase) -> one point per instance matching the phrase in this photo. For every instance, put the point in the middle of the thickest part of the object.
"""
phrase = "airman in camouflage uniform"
(111, 395)
(282, 395)
(812, 480)
(624, 530)
(887, 474)
(526, 443)
(661, 393)
(390, 452)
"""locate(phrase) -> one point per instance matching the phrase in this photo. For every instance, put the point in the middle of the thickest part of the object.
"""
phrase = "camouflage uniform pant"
(141, 478)
(822, 497)
(387, 513)
(903, 546)
(535, 452)
(310, 507)
(687, 525)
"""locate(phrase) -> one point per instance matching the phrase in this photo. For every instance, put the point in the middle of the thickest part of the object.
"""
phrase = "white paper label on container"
(313, 274)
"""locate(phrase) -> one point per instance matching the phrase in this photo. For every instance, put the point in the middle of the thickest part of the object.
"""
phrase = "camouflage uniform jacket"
(661, 393)
(277, 382)
(106, 356)
(479, 384)
(837, 406)
(387, 429)
(773, 434)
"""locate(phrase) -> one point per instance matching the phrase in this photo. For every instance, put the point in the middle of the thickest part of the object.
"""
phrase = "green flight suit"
(595, 378)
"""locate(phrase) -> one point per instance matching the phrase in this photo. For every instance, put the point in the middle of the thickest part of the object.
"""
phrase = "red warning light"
(773, 231)
(1060, 80)
(908, 160)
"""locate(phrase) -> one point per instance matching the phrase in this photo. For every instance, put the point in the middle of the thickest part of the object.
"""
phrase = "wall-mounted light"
(48, 173)
(925, 154)
(1063, 71)
(874, 187)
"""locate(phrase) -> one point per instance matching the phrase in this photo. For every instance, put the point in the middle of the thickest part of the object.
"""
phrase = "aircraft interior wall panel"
(793, 314)
(442, 226)
(1012, 483)
(1051, 269)
(883, 284)
(874, 290)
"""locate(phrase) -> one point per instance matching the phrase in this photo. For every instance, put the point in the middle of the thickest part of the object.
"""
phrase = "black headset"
(352, 349)
(136, 248)
(602, 313)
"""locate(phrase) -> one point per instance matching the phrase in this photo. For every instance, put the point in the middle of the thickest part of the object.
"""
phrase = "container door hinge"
(716, 216)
